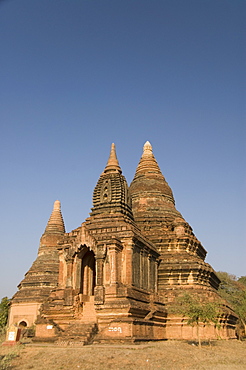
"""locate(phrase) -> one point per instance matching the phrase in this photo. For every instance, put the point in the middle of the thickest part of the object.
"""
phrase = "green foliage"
(5, 361)
(30, 332)
(233, 290)
(196, 310)
(242, 280)
(4, 310)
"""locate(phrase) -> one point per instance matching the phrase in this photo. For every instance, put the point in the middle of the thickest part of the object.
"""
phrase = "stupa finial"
(148, 162)
(113, 164)
(55, 224)
(147, 149)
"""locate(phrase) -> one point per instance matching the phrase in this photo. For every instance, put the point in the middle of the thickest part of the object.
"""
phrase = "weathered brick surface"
(120, 271)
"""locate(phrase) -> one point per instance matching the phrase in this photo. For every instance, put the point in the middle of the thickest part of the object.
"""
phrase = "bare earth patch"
(158, 355)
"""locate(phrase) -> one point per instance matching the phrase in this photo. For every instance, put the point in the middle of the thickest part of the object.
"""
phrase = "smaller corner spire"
(55, 224)
(112, 164)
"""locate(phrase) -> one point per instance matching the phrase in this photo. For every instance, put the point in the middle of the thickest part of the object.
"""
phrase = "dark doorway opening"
(22, 324)
(88, 274)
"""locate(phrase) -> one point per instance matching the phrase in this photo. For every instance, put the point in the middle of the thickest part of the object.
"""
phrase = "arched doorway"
(88, 274)
(22, 325)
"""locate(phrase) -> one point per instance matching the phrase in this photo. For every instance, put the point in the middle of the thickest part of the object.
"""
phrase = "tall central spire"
(151, 194)
(111, 194)
(113, 164)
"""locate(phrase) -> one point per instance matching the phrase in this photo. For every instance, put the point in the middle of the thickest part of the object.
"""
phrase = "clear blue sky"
(77, 75)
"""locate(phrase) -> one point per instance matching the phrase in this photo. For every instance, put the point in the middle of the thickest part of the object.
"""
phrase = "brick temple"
(116, 276)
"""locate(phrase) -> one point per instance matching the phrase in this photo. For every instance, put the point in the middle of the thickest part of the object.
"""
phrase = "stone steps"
(89, 312)
(78, 334)
(61, 315)
(72, 331)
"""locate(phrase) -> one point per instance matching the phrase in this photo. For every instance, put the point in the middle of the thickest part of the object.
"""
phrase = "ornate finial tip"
(113, 163)
(57, 204)
(147, 146)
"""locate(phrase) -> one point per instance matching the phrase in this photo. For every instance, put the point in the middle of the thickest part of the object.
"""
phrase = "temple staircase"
(81, 331)
(78, 334)
(89, 312)
(72, 328)
(58, 310)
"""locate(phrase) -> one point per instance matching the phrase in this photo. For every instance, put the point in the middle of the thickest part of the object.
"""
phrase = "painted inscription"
(115, 329)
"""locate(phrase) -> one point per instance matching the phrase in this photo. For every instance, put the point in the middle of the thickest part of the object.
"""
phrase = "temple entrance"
(88, 275)
(22, 325)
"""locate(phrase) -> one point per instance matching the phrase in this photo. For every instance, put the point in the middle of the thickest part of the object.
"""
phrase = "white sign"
(11, 335)
(49, 327)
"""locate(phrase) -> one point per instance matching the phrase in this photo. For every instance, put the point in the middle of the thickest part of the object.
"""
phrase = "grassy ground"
(158, 355)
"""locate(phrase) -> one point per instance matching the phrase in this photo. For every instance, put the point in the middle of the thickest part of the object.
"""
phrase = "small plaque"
(11, 335)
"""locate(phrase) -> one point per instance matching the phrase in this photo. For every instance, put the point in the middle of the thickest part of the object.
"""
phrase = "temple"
(118, 275)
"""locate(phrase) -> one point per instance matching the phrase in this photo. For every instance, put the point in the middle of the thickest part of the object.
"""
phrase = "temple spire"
(147, 149)
(149, 190)
(113, 164)
(147, 162)
(55, 224)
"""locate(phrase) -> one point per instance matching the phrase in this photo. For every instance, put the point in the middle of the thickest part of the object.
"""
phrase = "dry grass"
(159, 355)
